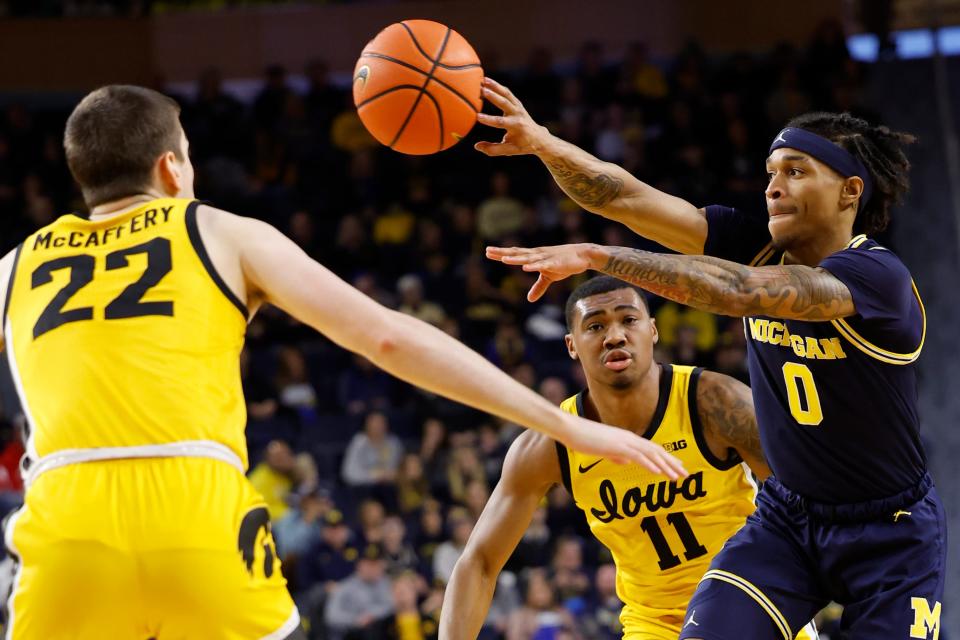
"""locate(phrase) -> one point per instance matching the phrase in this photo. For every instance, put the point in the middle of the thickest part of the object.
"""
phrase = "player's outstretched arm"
(597, 186)
(725, 408)
(791, 292)
(529, 470)
(276, 270)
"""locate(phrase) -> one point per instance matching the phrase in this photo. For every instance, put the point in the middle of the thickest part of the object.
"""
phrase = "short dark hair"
(596, 286)
(114, 137)
(881, 151)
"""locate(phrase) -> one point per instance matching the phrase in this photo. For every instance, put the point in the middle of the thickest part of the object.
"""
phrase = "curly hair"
(881, 151)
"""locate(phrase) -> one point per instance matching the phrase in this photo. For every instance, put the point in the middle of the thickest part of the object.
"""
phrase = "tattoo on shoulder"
(596, 191)
(729, 414)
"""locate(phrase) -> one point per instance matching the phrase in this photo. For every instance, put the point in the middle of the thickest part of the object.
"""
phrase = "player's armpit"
(726, 411)
(530, 469)
(6, 266)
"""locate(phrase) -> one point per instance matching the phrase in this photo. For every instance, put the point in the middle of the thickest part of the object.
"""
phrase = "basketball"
(416, 87)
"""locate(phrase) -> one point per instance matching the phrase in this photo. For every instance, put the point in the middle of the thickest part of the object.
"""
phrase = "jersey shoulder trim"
(724, 465)
(564, 459)
(663, 402)
(13, 275)
(764, 256)
(877, 352)
(193, 231)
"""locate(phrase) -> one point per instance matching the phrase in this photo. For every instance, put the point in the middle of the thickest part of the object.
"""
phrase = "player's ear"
(571, 348)
(170, 173)
(851, 191)
(654, 331)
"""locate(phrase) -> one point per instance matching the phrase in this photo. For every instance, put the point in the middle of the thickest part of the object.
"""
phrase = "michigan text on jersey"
(773, 332)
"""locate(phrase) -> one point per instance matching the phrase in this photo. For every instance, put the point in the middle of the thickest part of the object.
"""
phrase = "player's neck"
(814, 252)
(123, 205)
(631, 408)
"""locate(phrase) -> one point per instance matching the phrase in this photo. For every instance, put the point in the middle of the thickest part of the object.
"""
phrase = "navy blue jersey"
(836, 401)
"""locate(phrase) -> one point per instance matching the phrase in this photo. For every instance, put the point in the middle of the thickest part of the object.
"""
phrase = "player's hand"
(522, 136)
(553, 263)
(622, 447)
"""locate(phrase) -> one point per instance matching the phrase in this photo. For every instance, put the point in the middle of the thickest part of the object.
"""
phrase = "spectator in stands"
(332, 558)
(540, 616)
(475, 498)
(435, 454)
(362, 599)
(292, 381)
(601, 617)
(273, 478)
(464, 468)
(500, 214)
(373, 456)
(533, 550)
(363, 388)
(412, 302)
(300, 529)
(430, 536)
(413, 488)
(269, 104)
(398, 552)
(371, 515)
(459, 524)
(11, 451)
(569, 577)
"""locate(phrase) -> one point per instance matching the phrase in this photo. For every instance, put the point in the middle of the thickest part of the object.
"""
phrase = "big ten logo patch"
(926, 622)
(255, 539)
(675, 446)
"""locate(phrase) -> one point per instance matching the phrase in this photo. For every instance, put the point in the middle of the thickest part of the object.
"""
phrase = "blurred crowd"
(374, 486)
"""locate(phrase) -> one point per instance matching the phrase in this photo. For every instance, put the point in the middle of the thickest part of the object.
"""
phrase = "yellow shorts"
(158, 548)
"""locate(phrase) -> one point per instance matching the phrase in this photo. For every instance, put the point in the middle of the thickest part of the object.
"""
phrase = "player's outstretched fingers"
(494, 149)
(673, 463)
(496, 87)
(499, 101)
(514, 255)
(539, 288)
(498, 122)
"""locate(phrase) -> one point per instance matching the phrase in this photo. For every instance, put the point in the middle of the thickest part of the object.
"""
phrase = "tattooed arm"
(597, 186)
(792, 292)
(613, 192)
(725, 408)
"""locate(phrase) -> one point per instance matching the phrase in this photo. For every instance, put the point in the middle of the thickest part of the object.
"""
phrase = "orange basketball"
(417, 87)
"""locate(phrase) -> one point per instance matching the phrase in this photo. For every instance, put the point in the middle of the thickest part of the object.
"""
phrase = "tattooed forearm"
(590, 192)
(719, 286)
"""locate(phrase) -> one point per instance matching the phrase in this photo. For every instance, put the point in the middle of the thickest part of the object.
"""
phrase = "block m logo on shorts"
(926, 623)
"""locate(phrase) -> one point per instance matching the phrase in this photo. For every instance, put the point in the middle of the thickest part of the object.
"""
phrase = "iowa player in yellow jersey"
(662, 533)
(123, 331)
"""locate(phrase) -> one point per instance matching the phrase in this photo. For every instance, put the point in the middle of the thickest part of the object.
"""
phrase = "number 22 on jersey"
(128, 304)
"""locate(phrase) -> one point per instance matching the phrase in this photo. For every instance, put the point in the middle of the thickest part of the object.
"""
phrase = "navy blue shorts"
(884, 561)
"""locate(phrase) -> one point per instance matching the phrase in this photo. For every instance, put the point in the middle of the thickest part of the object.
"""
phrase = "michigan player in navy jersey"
(662, 535)
(123, 331)
(834, 326)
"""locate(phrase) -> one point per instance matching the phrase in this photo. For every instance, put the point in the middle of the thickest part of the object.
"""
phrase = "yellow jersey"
(662, 534)
(120, 333)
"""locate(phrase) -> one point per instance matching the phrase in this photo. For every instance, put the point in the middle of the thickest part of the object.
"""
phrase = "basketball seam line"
(423, 89)
(405, 86)
(386, 91)
(381, 56)
(437, 62)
